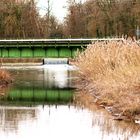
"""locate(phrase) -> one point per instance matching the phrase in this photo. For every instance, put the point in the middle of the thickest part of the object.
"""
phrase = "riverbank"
(5, 77)
(5, 80)
(109, 73)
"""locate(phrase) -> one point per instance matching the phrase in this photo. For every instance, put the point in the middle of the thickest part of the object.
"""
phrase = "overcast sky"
(58, 8)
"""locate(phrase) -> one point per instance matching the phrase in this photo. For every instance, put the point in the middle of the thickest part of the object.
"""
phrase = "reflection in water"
(114, 130)
(57, 78)
(49, 77)
(38, 106)
(61, 122)
(11, 116)
(51, 84)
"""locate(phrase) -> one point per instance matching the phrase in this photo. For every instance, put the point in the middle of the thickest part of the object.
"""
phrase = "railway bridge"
(43, 48)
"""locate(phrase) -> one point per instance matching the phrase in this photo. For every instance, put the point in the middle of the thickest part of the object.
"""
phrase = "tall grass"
(5, 80)
(110, 71)
(5, 77)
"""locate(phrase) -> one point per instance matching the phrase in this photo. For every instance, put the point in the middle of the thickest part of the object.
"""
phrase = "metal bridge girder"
(43, 48)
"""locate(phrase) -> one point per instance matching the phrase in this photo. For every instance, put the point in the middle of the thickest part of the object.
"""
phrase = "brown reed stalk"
(111, 71)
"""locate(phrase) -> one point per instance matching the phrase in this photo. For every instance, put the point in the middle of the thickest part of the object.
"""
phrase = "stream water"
(39, 106)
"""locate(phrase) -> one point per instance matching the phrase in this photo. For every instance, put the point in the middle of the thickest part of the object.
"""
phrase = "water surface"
(39, 106)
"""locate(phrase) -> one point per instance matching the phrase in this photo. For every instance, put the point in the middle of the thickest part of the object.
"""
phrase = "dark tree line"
(21, 19)
(103, 18)
(93, 18)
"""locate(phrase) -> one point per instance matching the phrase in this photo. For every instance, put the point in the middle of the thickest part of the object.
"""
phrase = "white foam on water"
(59, 67)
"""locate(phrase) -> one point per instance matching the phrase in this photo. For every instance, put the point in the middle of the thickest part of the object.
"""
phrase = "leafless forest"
(93, 18)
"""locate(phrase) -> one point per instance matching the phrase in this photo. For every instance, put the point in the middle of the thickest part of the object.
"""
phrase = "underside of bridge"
(44, 48)
(54, 48)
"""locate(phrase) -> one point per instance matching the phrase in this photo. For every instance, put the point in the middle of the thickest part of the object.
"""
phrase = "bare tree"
(103, 18)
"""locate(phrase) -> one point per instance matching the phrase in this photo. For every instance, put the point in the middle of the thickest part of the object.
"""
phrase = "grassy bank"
(110, 72)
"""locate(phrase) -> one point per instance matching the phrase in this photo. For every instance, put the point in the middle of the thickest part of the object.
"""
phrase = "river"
(38, 105)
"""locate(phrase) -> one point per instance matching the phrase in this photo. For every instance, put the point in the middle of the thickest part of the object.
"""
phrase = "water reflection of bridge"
(42, 95)
(50, 85)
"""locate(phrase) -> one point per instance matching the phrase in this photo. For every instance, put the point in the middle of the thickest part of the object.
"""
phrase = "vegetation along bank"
(109, 74)
(5, 80)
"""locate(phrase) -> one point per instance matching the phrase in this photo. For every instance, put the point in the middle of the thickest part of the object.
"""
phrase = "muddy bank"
(109, 73)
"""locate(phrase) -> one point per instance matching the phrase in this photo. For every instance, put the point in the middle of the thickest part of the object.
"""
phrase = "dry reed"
(5, 77)
(110, 71)
(5, 80)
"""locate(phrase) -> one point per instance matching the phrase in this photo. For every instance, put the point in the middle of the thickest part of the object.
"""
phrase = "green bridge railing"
(44, 48)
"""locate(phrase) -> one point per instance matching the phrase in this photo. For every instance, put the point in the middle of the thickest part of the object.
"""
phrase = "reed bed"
(110, 72)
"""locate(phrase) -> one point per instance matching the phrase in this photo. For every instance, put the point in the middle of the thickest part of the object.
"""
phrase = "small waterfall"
(53, 61)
